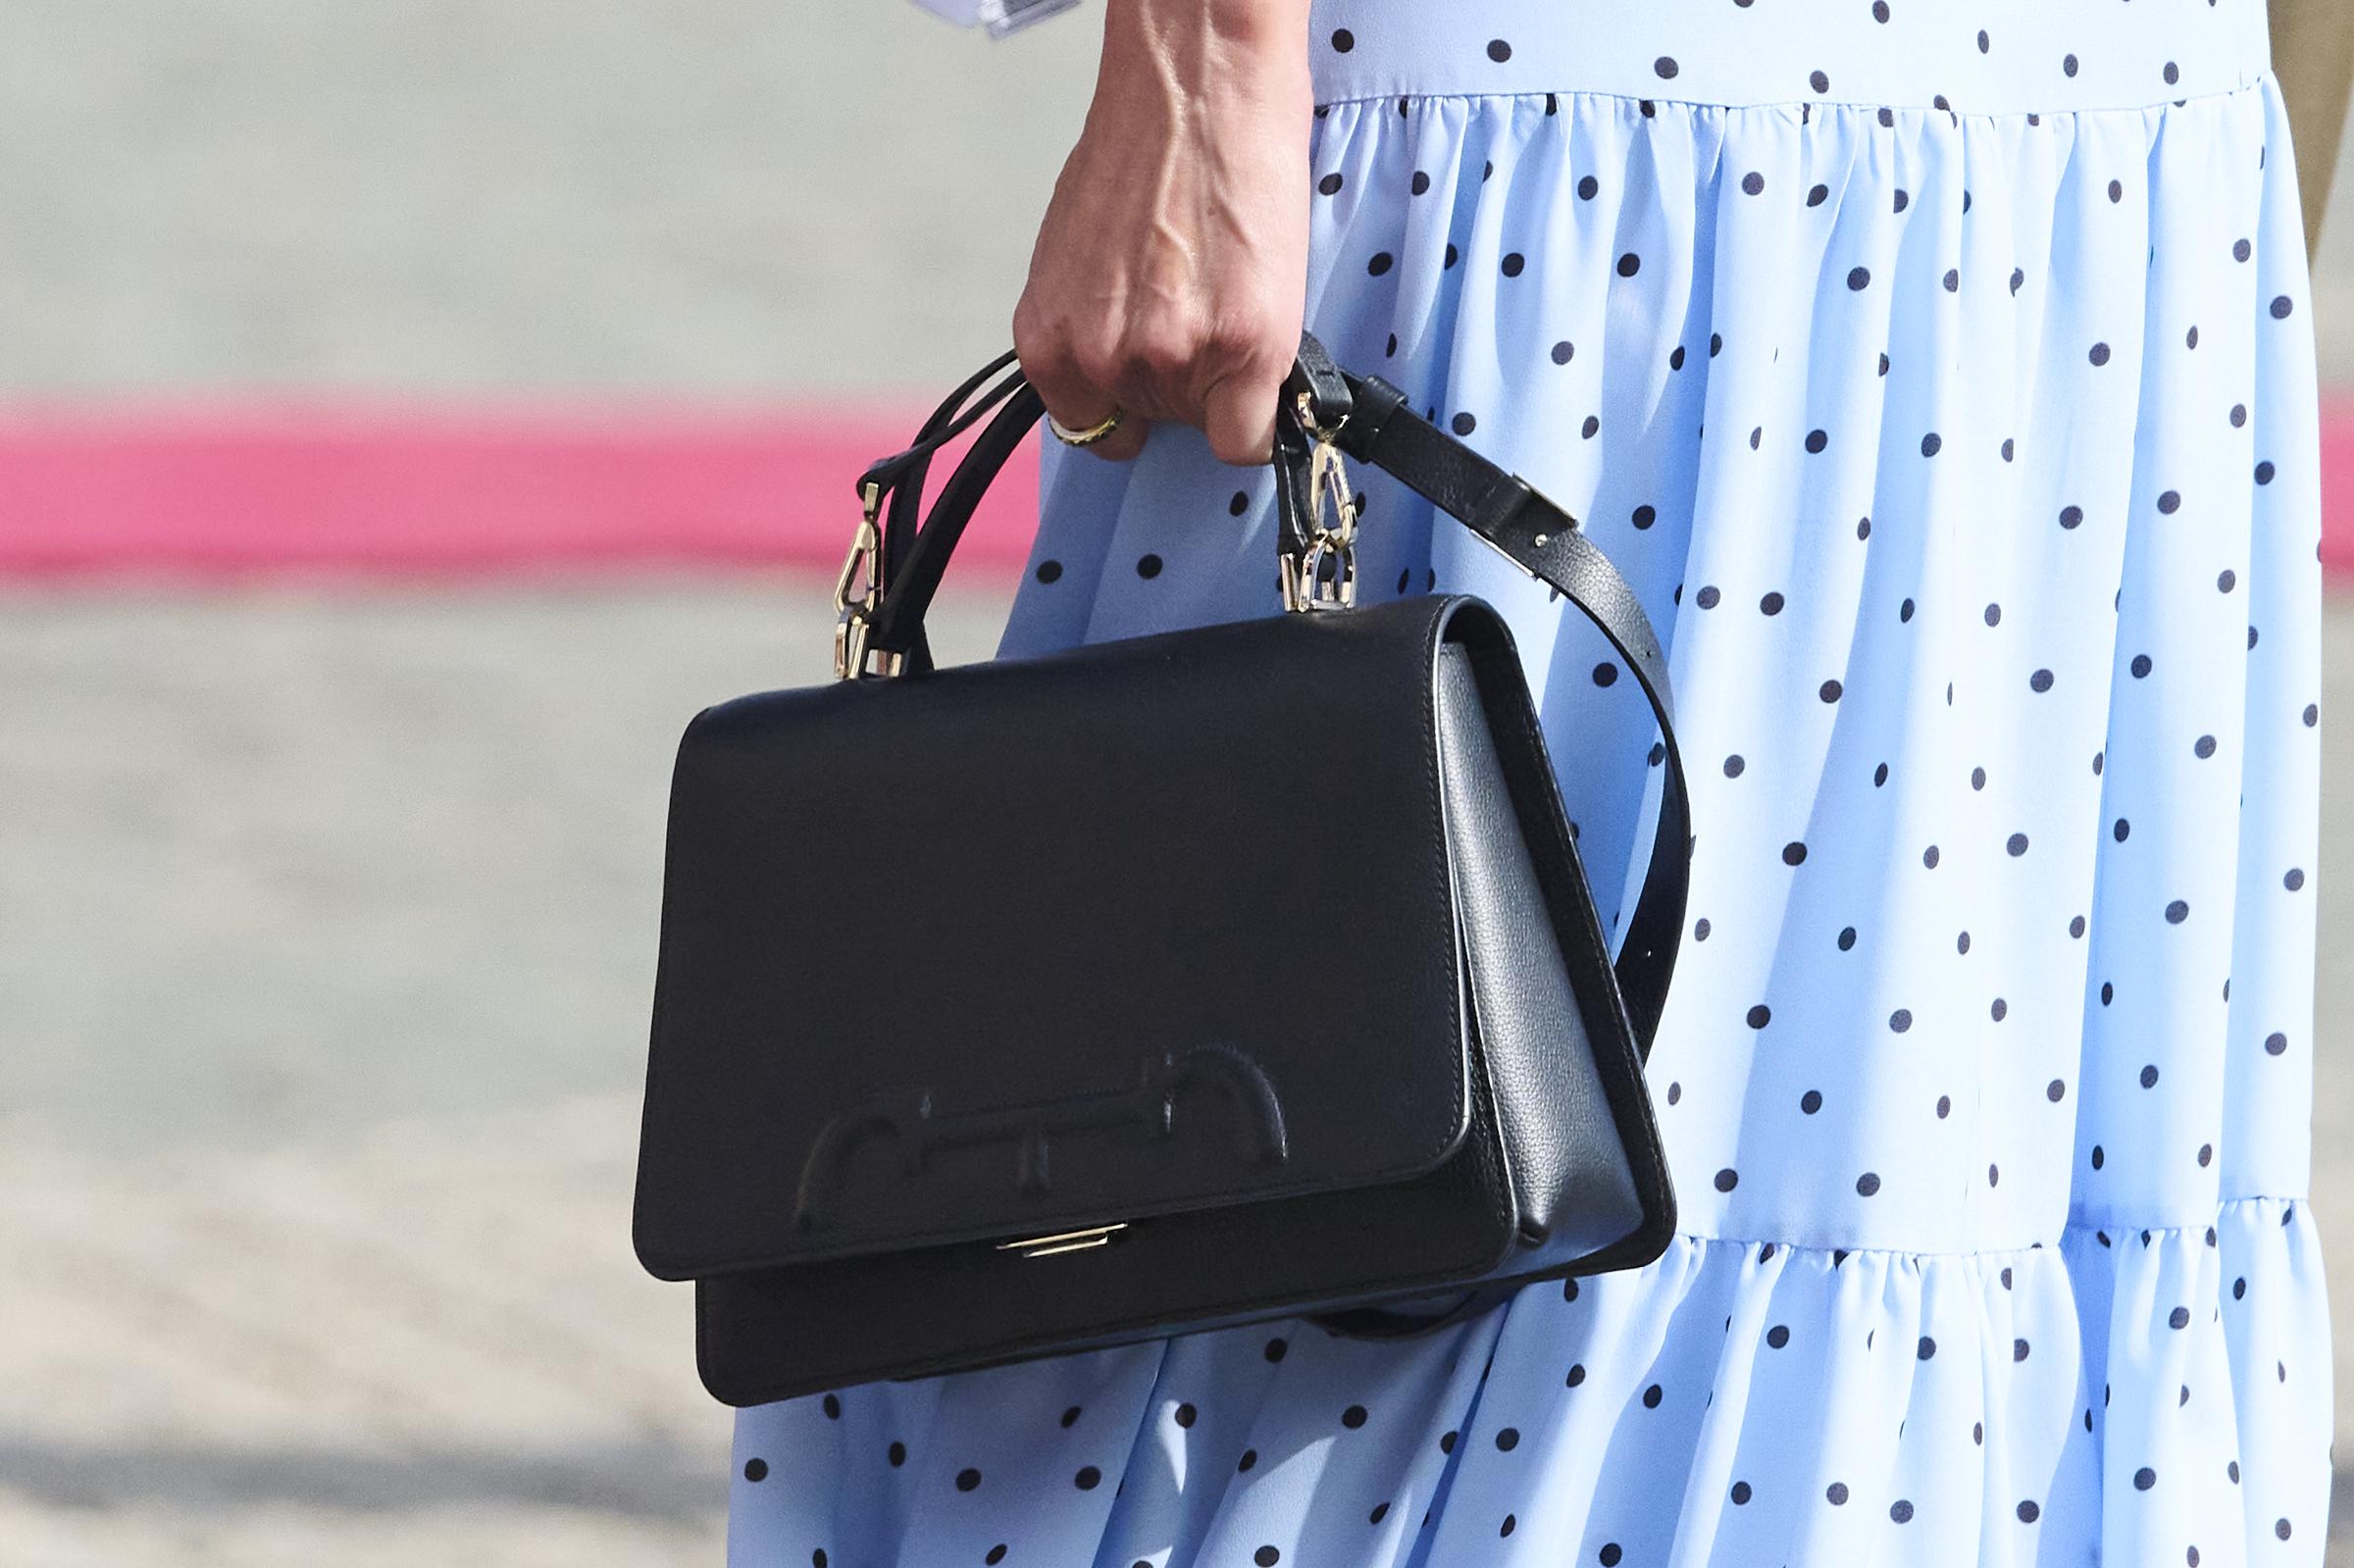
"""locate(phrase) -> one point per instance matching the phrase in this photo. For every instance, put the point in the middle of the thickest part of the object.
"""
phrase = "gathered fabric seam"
(2114, 1227)
(2254, 83)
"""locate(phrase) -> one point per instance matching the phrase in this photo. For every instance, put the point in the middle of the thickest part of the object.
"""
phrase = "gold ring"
(1092, 435)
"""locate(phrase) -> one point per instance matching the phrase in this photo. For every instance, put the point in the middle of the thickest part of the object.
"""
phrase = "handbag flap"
(1028, 946)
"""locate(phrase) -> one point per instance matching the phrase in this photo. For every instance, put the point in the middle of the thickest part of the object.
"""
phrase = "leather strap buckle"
(1318, 389)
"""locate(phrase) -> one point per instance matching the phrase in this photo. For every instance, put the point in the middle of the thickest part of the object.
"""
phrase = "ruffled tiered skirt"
(1964, 451)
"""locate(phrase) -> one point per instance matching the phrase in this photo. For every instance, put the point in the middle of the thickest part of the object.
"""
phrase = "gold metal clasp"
(1046, 1246)
(854, 615)
(1304, 584)
(1305, 404)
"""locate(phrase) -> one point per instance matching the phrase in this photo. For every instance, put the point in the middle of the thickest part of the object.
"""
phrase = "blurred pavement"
(404, 197)
(329, 944)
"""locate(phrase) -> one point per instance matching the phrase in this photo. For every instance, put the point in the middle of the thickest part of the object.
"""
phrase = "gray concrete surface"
(458, 195)
(326, 929)
(329, 926)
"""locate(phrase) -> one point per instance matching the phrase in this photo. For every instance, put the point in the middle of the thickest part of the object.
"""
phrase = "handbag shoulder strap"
(1365, 418)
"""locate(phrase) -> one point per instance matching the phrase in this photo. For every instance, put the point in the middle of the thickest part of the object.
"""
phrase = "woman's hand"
(1170, 272)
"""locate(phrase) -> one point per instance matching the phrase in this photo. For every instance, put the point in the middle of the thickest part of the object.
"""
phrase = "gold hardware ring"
(1092, 434)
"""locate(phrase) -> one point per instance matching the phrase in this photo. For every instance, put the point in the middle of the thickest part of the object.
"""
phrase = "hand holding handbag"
(1157, 984)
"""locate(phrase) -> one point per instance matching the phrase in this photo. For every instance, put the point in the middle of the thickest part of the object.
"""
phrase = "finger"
(1078, 406)
(1117, 445)
(1125, 441)
(1239, 418)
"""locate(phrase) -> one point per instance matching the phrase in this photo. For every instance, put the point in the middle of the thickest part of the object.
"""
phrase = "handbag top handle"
(1324, 408)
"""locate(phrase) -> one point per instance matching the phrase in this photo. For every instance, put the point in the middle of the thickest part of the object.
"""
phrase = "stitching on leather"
(1441, 879)
(654, 1057)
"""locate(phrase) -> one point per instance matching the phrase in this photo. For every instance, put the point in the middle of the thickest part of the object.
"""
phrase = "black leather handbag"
(1241, 972)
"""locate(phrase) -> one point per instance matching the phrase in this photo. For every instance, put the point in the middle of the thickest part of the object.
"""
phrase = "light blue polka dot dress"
(1939, 373)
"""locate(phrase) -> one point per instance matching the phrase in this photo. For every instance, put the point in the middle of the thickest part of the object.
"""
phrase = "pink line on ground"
(2337, 491)
(237, 491)
(364, 491)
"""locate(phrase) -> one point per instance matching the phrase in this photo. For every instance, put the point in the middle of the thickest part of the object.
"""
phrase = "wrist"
(1233, 35)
